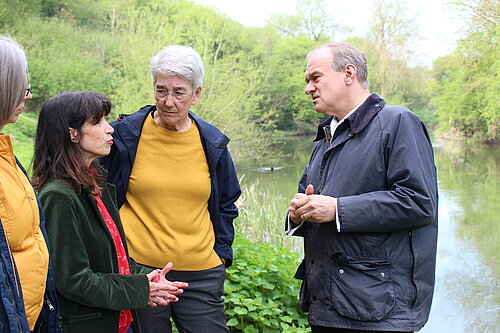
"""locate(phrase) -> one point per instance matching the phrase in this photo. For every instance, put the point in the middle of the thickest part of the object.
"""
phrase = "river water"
(467, 293)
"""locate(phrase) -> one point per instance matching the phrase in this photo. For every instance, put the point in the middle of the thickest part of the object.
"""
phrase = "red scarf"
(123, 265)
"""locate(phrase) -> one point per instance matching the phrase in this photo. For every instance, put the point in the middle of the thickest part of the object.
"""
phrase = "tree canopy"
(254, 77)
(467, 82)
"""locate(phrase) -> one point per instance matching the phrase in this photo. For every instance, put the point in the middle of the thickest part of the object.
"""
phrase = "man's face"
(174, 96)
(326, 86)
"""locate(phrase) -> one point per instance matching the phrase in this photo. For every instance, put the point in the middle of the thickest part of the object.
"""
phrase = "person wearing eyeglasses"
(28, 298)
(177, 187)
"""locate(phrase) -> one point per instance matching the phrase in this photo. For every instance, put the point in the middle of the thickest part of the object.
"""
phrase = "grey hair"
(344, 54)
(13, 77)
(179, 60)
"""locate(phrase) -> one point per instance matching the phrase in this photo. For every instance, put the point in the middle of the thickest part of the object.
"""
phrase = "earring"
(74, 140)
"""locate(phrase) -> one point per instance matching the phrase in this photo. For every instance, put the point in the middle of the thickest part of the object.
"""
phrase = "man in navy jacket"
(366, 207)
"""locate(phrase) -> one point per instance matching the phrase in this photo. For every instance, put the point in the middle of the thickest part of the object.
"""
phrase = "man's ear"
(350, 74)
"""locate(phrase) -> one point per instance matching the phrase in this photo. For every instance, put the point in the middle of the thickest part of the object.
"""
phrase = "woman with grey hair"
(176, 186)
(28, 299)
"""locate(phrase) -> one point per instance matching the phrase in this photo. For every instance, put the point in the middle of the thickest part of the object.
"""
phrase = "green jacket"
(91, 291)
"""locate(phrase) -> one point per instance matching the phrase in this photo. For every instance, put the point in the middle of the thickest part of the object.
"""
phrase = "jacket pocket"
(361, 288)
(80, 318)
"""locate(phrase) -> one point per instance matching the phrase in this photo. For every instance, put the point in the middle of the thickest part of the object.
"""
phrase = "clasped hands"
(312, 207)
(162, 291)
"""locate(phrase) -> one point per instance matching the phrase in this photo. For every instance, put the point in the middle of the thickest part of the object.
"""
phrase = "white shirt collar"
(335, 122)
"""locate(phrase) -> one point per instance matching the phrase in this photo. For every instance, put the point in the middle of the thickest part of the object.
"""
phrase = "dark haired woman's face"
(95, 139)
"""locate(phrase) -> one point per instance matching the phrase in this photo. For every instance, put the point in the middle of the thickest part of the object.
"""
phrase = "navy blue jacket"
(377, 273)
(12, 313)
(225, 187)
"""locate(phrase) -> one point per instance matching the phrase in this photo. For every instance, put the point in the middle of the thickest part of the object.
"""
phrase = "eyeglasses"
(28, 90)
(162, 93)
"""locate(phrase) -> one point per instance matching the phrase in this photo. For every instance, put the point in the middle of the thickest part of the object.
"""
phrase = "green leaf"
(232, 322)
(241, 311)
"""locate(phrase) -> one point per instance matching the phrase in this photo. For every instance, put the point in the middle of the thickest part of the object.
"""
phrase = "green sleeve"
(75, 279)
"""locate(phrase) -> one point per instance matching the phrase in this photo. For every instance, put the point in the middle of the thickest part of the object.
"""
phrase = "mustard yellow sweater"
(165, 214)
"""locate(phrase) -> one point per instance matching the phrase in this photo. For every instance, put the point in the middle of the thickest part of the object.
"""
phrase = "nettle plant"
(261, 294)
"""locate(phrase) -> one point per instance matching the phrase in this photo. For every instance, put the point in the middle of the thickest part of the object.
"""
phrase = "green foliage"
(387, 50)
(312, 20)
(254, 76)
(262, 212)
(388, 77)
(106, 47)
(261, 293)
(468, 81)
(284, 97)
(53, 65)
(23, 134)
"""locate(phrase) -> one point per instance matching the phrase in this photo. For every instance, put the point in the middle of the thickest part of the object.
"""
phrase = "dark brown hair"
(56, 157)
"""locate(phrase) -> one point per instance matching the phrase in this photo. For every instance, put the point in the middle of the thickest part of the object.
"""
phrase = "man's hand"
(293, 206)
(312, 208)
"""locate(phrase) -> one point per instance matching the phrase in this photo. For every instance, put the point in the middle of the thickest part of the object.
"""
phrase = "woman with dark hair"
(96, 282)
(28, 297)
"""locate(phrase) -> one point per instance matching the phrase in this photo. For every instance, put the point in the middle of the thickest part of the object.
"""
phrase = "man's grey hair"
(344, 54)
(13, 77)
(179, 60)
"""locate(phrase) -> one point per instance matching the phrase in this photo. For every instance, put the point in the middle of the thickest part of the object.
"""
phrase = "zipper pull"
(49, 304)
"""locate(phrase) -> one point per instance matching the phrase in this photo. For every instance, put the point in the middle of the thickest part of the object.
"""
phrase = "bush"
(261, 293)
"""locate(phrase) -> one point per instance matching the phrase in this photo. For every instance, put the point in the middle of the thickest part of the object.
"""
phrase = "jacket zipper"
(49, 304)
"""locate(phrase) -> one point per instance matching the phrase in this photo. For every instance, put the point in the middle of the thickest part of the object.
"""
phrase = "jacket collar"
(209, 132)
(359, 118)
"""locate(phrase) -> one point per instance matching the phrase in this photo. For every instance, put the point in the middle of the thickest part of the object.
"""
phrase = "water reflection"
(467, 295)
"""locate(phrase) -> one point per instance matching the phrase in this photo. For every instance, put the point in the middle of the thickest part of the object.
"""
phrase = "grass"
(262, 217)
(22, 133)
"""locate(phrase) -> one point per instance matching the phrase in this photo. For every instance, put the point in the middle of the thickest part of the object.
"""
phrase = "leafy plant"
(261, 293)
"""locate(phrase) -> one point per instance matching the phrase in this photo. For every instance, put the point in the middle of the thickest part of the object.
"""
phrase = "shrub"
(261, 293)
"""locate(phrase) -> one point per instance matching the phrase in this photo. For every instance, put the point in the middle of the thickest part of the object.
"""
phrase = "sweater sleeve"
(75, 279)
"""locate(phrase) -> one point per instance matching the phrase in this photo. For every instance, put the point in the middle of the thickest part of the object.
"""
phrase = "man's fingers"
(301, 203)
(299, 196)
(305, 216)
(304, 206)
(309, 189)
